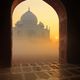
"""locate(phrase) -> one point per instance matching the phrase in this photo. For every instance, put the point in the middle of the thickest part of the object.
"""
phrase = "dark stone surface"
(32, 72)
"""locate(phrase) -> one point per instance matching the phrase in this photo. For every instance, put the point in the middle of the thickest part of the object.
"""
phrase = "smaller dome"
(29, 17)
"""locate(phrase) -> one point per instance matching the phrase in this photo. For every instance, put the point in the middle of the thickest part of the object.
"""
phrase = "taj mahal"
(28, 26)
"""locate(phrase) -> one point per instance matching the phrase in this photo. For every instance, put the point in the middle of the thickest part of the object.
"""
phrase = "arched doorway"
(59, 8)
(35, 27)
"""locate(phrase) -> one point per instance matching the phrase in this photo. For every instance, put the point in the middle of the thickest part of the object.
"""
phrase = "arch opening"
(60, 33)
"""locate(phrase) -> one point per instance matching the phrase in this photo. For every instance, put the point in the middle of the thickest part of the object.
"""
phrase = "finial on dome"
(28, 8)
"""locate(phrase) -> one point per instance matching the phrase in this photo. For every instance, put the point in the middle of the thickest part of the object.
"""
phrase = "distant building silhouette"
(28, 27)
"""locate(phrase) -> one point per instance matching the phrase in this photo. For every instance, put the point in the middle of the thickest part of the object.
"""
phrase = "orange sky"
(44, 12)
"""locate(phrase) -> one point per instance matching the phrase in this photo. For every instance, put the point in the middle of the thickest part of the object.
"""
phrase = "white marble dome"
(29, 17)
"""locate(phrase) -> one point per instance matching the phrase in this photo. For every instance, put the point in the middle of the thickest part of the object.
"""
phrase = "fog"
(28, 50)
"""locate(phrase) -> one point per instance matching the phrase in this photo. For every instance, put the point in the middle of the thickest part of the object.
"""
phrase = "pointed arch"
(61, 11)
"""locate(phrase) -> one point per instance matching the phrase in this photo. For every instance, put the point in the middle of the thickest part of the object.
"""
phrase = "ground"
(50, 70)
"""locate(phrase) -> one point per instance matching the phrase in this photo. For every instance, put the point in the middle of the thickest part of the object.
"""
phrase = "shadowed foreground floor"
(41, 71)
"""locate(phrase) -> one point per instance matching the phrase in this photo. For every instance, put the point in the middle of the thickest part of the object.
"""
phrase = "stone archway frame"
(61, 11)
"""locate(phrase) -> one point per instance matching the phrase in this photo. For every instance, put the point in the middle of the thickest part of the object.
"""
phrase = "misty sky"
(25, 49)
(44, 12)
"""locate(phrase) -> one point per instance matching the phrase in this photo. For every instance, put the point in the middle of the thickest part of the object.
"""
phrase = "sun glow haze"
(44, 12)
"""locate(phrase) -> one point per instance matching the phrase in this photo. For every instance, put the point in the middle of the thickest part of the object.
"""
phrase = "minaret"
(28, 9)
(47, 27)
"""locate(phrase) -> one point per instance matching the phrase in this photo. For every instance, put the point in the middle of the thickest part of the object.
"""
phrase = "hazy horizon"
(26, 50)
